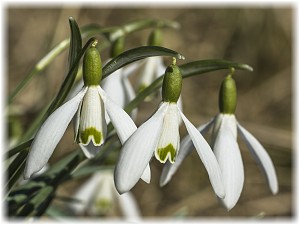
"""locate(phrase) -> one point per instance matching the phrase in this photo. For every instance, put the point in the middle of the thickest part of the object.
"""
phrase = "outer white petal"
(207, 157)
(131, 68)
(146, 176)
(186, 147)
(229, 157)
(114, 88)
(129, 207)
(262, 157)
(85, 194)
(50, 134)
(120, 119)
(160, 67)
(138, 150)
(147, 74)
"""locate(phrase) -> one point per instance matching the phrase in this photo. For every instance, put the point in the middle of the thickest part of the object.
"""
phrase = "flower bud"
(92, 67)
(171, 87)
(227, 96)
(117, 47)
(155, 38)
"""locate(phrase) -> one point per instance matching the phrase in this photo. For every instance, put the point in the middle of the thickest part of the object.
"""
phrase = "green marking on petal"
(165, 153)
(103, 204)
(97, 135)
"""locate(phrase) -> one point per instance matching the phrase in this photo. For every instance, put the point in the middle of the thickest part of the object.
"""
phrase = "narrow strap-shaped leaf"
(135, 54)
(36, 205)
(205, 66)
(18, 149)
(131, 27)
(86, 31)
(75, 42)
(15, 176)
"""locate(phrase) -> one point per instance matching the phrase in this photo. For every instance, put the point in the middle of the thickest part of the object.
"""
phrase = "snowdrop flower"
(90, 103)
(159, 135)
(226, 149)
(98, 196)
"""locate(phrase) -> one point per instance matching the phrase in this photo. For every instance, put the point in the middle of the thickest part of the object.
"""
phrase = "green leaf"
(39, 203)
(188, 70)
(18, 149)
(114, 34)
(204, 66)
(75, 42)
(87, 31)
(135, 54)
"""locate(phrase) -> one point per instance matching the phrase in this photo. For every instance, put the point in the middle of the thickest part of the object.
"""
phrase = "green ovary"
(165, 153)
(97, 135)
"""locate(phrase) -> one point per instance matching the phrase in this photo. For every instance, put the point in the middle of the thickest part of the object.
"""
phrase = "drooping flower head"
(90, 103)
(159, 135)
(99, 197)
(226, 149)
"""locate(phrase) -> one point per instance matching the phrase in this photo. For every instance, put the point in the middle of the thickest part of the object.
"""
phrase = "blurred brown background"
(259, 36)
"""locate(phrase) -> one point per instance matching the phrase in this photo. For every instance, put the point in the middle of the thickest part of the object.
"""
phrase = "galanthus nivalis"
(226, 149)
(90, 104)
(159, 135)
(99, 197)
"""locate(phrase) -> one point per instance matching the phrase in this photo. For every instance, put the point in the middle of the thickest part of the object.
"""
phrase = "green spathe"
(92, 67)
(155, 38)
(117, 47)
(165, 153)
(228, 96)
(92, 131)
(172, 83)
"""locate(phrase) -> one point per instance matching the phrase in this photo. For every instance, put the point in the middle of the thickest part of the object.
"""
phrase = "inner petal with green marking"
(91, 134)
(92, 124)
(169, 140)
(168, 152)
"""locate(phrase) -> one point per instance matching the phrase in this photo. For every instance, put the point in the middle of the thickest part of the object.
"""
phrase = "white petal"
(85, 194)
(131, 68)
(169, 140)
(207, 157)
(138, 150)
(50, 134)
(179, 103)
(186, 147)
(104, 199)
(129, 207)
(262, 157)
(76, 122)
(147, 74)
(92, 125)
(229, 157)
(146, 176)
(160, 67)
(122, 122)
(90, 150)
(76, 89)
(114, 88)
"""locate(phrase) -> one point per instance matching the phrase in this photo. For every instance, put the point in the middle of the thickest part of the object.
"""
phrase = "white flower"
(98, 196)
(227, 152)
(159, 135)
(91, 104)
